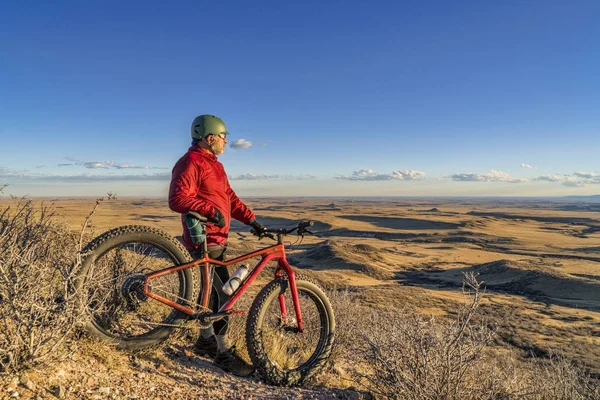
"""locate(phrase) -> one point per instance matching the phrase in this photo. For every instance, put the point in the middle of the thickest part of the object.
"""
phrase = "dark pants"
(221, 275)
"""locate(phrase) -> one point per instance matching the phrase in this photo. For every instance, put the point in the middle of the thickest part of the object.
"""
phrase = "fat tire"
(139, 234)
(271, 372)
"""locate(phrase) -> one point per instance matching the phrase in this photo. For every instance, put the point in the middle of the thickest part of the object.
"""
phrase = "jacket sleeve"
(183, 191)
(239, 210)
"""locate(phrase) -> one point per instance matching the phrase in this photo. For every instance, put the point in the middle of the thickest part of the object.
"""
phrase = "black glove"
(218, 219)
(257, 228)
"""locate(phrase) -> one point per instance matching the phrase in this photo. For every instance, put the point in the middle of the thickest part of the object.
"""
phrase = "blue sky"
(321, 98)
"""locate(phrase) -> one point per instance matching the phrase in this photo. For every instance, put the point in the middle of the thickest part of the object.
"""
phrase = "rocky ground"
(96, 371)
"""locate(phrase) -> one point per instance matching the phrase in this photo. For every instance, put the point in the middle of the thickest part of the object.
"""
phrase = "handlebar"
(301, 229)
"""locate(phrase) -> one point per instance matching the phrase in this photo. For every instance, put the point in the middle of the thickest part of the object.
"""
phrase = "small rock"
(339, 370)
(162, 369)
(28, 384)
(104, 390)
(61, 372)
(14, 394)
(58, 391)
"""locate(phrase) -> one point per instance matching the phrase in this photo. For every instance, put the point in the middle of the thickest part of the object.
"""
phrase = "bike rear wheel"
(112, 276)
(281, 354)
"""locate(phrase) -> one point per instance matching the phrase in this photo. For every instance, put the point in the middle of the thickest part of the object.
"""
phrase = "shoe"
(231, 362)
(206, 347)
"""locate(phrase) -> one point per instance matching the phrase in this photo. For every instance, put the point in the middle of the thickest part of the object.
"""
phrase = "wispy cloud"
(492, 176)
(576, 179)
(87, 178)
(241, 144)
(574, 183)
(95, 164)
(105, 164)
(580, 179)
(549, 178)
(9, 173)
(587, 175)
(256, 177)
(526, 166)
(370, 175)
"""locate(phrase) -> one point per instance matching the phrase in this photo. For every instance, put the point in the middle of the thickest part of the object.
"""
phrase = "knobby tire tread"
(260, 359)
(149, 235)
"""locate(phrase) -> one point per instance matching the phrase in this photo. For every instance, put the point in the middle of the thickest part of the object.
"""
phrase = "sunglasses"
(221, 135)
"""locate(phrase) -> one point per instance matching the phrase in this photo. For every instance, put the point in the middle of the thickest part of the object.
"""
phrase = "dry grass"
(401, 354)
(39, 258)
(37, 311)
(394, 353)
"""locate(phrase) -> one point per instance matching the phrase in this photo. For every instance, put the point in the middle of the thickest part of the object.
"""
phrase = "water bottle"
(196, 229)
(236, 280)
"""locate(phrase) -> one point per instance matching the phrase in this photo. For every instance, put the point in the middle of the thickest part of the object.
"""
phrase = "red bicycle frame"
(275, 252)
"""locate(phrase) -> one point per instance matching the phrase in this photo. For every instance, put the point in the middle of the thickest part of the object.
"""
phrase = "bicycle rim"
(115, 285)
(284, 347)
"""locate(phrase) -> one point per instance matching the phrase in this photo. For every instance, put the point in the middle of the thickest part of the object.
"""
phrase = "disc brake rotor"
(132, 291)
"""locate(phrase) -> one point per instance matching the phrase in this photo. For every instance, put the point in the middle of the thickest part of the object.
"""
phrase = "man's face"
(218, 143)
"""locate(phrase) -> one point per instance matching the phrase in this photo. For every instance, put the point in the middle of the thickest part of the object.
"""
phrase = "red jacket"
(199, 183)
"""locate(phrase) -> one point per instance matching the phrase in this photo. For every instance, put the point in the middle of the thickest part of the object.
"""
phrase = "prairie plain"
(539, 260)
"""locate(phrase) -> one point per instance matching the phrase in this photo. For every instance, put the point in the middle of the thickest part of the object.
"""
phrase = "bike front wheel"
(281, 354)
(112, 279)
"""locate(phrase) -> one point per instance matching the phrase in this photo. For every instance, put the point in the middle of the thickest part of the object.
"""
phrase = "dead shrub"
(401, 354)
(409, 356)
(558, 378)
(39, 257)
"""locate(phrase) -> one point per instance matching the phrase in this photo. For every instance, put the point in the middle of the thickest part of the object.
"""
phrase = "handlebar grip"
(305, 224)
(270, 236)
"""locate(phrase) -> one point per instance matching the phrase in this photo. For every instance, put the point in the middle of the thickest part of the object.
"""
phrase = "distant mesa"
(332, 254)
(433, 210)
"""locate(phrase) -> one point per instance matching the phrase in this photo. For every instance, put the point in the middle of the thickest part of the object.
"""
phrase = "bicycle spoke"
(119, 304)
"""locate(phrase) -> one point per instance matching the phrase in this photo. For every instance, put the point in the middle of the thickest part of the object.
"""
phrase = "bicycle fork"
(283, 265)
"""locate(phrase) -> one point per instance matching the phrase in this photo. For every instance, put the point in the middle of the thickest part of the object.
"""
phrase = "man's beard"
(217, 151)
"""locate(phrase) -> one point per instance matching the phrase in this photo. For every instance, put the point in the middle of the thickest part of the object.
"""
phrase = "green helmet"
(205, 125)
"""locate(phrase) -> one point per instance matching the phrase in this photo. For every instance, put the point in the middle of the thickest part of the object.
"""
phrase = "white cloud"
(256, 177)
(370, 175)
(526, 166)
(573, 183)
(492, 176)
(11, 173)
(104, 164)
(241, 144)
(87, 178)
(95, 164)
(587, 175)
(549, 178)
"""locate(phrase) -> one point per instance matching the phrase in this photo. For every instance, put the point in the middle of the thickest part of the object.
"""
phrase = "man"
(199, 183)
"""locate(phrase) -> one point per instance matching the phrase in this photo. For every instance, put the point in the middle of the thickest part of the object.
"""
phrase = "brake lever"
(266, 235)
(263, 235)
(270, 236)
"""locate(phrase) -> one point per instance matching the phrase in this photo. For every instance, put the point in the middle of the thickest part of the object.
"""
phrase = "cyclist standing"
(199, 183)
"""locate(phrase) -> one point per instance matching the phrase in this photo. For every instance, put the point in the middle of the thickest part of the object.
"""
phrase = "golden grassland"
(539, 261)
